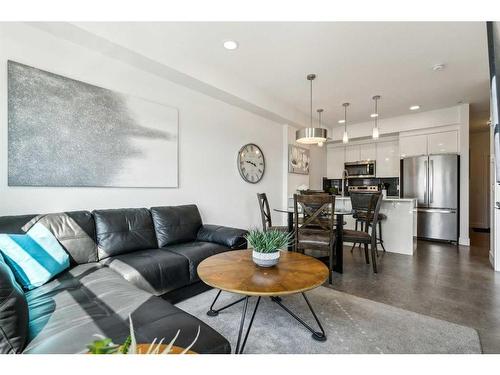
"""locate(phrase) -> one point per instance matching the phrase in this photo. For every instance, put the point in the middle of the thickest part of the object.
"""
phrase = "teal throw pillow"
(34, 257)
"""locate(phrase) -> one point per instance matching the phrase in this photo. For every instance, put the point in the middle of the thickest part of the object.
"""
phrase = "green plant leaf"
(268, 242)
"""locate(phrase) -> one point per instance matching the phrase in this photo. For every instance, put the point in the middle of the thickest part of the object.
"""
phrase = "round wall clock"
(251, 163)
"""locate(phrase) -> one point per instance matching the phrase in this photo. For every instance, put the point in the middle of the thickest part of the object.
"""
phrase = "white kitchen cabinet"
(443, 143)
(352, 153)
(387, 159)
(413, 145)
(335, 162)
(368, 151)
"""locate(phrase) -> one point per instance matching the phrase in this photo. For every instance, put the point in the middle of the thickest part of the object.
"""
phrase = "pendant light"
(345, 138)
(320, 111)
(311, 135)
(375, 133)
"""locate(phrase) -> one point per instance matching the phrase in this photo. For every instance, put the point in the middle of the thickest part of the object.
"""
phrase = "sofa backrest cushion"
(123, 230)
(14, 224)
(14, 316)
(74, 230)
(176, 224)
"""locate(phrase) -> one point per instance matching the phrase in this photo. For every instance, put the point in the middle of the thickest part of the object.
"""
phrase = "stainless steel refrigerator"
(434, 182)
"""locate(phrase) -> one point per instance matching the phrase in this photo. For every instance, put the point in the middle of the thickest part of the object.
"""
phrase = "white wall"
(479, 201)
(318, 167)
(211, 133)
(456, 117)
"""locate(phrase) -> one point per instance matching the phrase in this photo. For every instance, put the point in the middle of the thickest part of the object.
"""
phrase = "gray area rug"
(352, 325)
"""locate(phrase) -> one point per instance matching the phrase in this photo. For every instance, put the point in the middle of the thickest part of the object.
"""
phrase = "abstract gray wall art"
(64, 132)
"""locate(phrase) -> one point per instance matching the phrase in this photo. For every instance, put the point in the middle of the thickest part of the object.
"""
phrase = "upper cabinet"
(387, 159)
(443, 143)
(368, 151)
(352, 153)
(385, 154)
(335, 162)
(414, 145)
(429, 144)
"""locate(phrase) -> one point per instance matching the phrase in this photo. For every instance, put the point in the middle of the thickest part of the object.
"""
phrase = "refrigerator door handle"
(438, 210)
(425, 182)
(431, 181)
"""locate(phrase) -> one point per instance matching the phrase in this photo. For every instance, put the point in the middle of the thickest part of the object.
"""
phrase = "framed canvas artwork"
(64, 132)
(298, 160)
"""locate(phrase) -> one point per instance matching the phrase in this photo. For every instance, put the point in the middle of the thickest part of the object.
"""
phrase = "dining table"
(339, 231)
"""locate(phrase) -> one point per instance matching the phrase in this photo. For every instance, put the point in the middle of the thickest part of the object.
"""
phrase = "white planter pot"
(266, 259)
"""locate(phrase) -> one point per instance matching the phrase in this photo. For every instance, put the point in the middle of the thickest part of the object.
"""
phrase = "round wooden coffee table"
(235, 271)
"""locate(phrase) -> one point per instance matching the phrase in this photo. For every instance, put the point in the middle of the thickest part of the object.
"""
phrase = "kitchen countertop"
(388, 199)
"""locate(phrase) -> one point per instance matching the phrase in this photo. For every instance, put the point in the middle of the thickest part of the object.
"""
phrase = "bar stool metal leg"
(380, 235)
(355, 228)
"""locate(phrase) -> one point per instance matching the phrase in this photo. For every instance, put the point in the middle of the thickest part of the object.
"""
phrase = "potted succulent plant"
(267, 245)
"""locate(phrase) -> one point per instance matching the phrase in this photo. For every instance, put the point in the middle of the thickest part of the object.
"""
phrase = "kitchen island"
(399, 227)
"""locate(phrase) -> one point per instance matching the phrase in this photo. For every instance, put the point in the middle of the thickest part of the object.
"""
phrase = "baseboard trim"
(464, 241)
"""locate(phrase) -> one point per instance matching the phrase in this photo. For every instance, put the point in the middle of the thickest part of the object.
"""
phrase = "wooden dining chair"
(265, 213)
(372, 201)
(317, 229)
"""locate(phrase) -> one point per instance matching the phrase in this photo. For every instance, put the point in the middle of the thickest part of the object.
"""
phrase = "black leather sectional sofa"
(123, 261)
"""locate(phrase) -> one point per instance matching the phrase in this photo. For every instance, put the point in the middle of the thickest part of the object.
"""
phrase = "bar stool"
(372, 201)
(360, 217)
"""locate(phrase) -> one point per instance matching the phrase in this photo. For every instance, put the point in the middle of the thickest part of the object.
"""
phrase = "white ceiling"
(353, 62)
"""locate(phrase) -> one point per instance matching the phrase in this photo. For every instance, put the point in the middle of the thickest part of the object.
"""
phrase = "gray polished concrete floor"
(447, 282)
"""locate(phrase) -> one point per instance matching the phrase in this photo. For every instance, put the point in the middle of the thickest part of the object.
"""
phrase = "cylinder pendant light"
(375, 133)
(345, 138)
(320, 111)
(311, 135)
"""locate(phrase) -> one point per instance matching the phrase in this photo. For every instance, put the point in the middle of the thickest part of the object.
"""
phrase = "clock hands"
(249, 162)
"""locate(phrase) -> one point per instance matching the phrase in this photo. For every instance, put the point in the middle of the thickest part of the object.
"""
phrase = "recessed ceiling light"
(230, 44)
(373, 115)
(438, 67)
(341, 121)
(414, 107)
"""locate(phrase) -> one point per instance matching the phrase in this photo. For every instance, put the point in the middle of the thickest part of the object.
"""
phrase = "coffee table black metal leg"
(213, 312)
(242, 323)
(319, 336)
(249, 325)
(239, 350)
(316, 335)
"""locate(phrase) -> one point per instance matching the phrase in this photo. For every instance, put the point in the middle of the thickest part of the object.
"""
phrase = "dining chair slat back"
(317, 229)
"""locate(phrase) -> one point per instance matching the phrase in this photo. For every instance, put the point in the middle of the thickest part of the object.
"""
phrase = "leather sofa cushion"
(93, 299)
(75, 231)
(14, 224)
(155, 270)
(13, 312)
(176, 224)
(120, 231)
(195, 252)
(230, 237)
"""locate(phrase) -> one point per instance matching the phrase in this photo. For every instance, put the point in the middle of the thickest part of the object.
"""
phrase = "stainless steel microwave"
(365, 168)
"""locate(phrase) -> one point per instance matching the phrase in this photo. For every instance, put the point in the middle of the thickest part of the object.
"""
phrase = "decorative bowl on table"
(266, 259)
